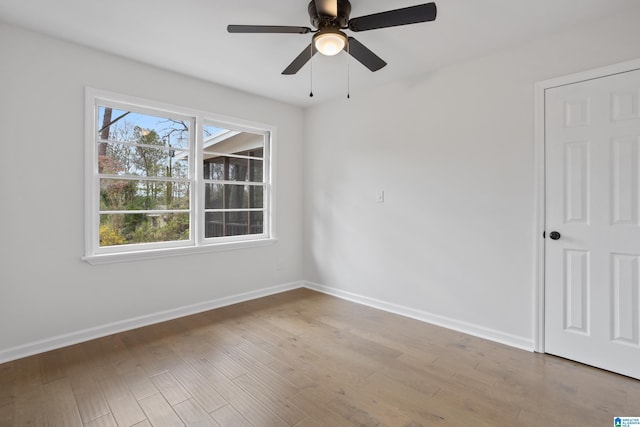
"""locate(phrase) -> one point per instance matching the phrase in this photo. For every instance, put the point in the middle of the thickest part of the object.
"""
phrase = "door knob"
(554, 235)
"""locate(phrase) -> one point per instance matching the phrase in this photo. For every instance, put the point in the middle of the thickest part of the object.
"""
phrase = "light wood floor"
(305, 359)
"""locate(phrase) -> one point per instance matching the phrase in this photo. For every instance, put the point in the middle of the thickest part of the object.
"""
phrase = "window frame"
(266, 173)
(197, 242)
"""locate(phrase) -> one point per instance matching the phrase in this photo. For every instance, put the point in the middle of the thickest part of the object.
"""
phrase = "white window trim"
(197, 243)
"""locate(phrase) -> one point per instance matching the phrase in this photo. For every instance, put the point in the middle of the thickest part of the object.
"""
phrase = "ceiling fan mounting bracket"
(341, 21)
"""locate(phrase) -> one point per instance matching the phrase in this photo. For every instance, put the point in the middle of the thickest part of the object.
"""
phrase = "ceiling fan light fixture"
(330, 42)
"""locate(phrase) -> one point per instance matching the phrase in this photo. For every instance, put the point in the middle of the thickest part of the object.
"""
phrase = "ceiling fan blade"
(327, 7)
(300, 60)
(393, 18)
(272, 29)
(364, 55)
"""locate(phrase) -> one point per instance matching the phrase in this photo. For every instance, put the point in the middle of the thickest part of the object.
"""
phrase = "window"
(163, 180)
(234, 182)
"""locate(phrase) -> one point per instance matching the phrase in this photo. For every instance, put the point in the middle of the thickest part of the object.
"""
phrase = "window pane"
(214, 168)
(218, 141)
(210, 132)
(256, 170)
(220, 224)
(119, 194)
(238, 169)
(257, 152)
(233, 169)
(233, 196)
(129, 126)
(123, 159)
(226, 168)
(122, 229)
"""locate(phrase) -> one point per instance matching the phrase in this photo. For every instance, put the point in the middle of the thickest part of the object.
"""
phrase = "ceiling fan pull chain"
(311, 71)
(348, 72)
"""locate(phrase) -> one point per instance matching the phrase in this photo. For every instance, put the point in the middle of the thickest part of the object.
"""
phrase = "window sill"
(170, 252)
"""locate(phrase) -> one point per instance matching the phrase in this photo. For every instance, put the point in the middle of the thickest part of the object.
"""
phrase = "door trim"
(539, 187)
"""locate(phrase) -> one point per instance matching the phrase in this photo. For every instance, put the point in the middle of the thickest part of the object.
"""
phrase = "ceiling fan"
(329, 18)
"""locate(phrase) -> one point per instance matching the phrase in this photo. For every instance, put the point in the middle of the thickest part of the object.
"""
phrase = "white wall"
(45, 289)
(454, 153)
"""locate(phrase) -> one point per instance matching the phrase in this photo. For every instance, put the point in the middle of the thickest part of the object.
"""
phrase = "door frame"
(539, 155)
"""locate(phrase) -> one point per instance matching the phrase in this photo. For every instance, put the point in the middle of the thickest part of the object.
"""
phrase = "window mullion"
(142, 211)
(222, 181)
(144, 178)
(197, 214)
(232, 156)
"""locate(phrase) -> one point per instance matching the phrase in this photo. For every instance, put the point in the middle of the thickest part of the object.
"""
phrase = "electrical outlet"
(380, 197)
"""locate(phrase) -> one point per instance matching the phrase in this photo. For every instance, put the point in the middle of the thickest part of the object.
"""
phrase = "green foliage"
(161, 228)
(110, 237)
(116, 194)
(149, 159)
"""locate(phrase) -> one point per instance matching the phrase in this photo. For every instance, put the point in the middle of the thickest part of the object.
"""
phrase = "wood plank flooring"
(305, 359)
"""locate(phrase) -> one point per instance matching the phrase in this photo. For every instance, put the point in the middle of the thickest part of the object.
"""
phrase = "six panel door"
(592, 187)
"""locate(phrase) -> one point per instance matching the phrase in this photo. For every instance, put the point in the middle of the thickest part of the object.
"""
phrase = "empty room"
(320, 213)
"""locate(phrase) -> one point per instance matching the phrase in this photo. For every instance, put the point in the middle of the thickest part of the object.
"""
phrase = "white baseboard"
(76, 337)
(456, 325)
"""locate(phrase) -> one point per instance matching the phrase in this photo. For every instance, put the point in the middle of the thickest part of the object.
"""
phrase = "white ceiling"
(190, 37)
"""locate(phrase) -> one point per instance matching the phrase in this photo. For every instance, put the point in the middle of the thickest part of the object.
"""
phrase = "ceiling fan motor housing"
(322, 21)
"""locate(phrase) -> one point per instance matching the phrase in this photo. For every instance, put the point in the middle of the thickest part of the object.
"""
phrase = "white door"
(592, 187)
